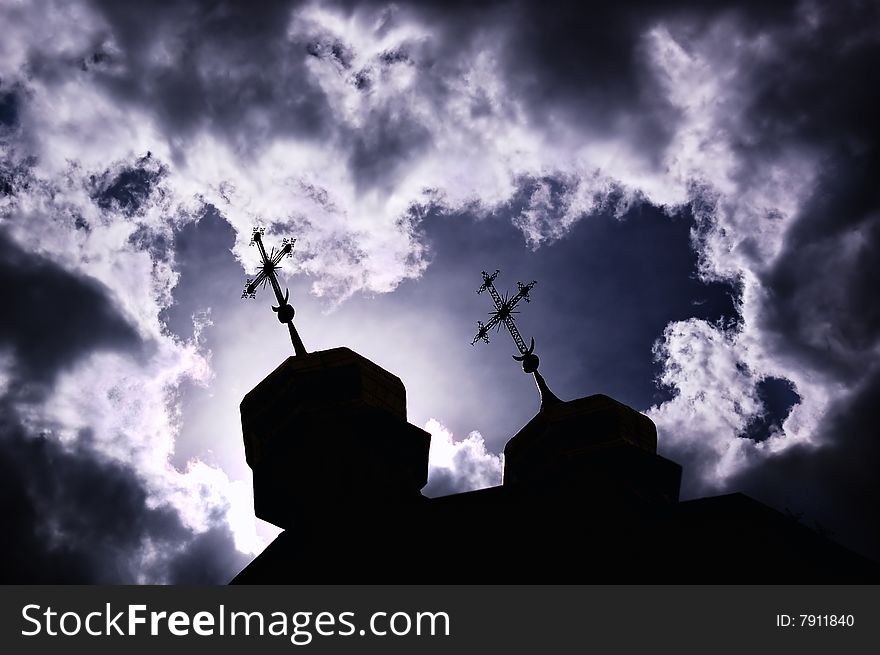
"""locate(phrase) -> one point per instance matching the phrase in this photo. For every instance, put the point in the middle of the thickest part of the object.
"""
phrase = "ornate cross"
(268, 275)
(503, 314)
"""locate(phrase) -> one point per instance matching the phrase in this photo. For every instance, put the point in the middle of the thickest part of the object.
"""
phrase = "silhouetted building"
(585, 498)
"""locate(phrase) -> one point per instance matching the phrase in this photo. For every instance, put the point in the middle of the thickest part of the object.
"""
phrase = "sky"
(692, 185)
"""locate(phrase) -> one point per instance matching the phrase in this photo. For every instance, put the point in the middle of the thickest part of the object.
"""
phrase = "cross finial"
(268, 275)
(503, 314)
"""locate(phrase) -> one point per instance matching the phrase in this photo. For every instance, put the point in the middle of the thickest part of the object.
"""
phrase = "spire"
(548, 398)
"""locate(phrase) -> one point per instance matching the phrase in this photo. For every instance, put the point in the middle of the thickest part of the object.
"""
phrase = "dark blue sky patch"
(129, 189)
(211, 281)
(209, 274)
(778, 396)
(8, 110)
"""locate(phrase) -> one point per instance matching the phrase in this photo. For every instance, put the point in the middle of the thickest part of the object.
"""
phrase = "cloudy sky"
(692, 184)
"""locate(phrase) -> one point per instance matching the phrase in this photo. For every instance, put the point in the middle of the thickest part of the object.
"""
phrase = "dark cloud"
(821, 311)
(377, 154)
(833, 487)
(578, 62)
(235, 70)
(822, 291)
(231, 69)
(52, 317)
(812, 87)
(72, 516)
(238, 73)
(812, 96)
(207, 558)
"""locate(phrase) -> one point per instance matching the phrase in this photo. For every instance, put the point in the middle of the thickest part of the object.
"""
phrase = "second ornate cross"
(503, 314)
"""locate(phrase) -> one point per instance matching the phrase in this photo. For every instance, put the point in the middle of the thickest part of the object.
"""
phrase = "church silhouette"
(585, 497)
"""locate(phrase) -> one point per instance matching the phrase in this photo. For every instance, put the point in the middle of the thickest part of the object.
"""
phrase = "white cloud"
(456, 466)
(714, 374)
